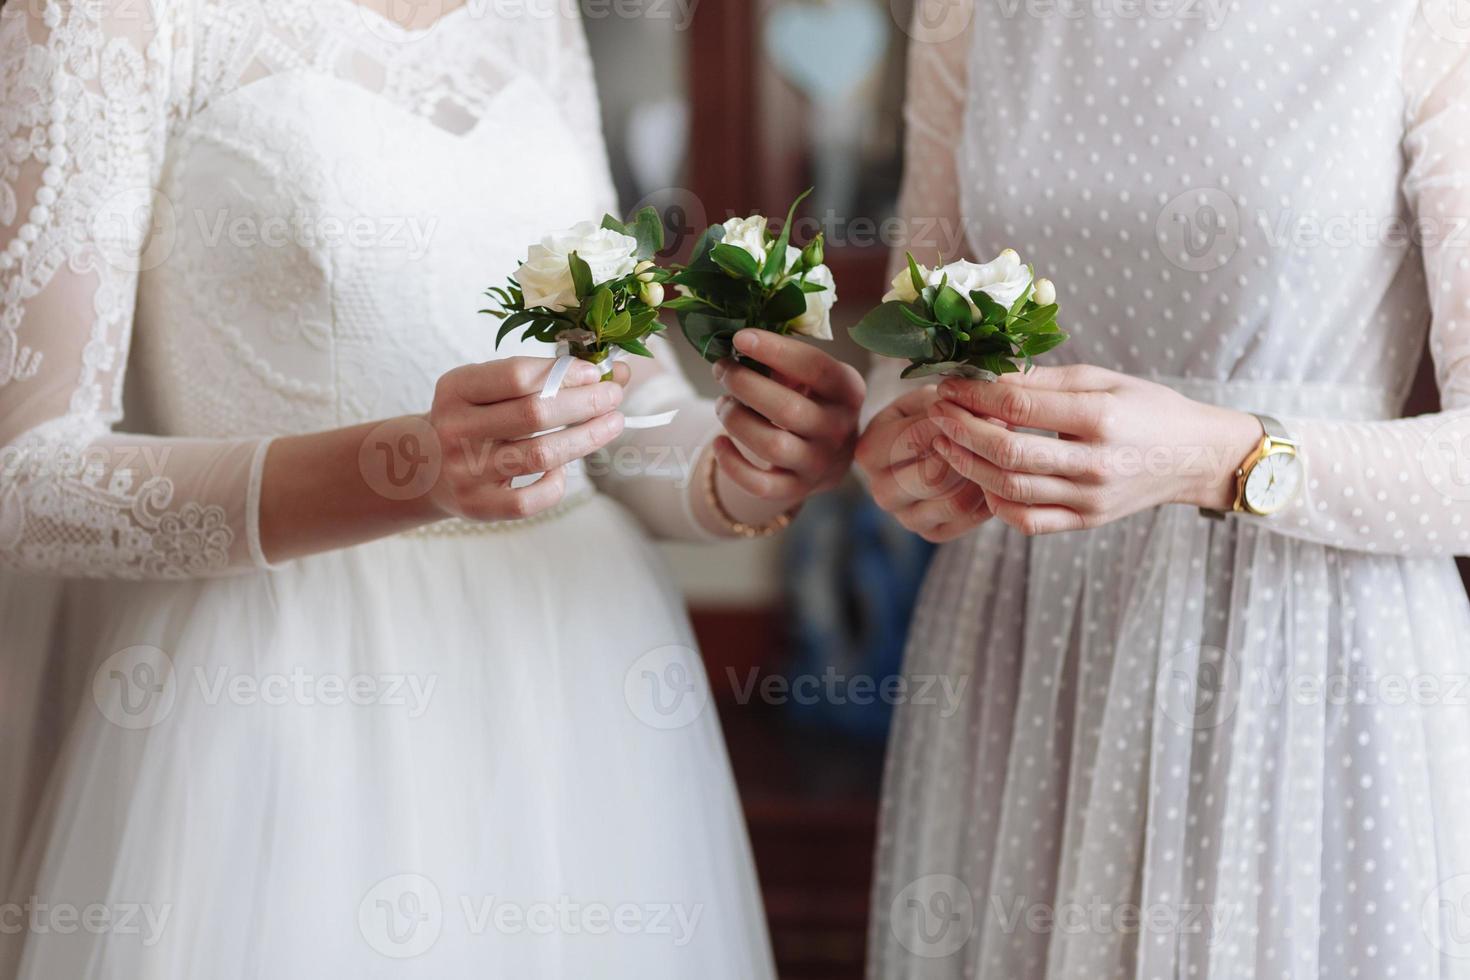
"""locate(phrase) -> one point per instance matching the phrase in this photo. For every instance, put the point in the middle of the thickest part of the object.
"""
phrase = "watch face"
(1273, 483)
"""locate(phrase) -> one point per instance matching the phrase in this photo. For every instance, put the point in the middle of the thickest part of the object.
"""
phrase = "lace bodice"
(270, 217)
(1272, 210)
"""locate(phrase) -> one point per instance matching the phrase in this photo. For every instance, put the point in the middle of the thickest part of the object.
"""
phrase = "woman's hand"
(799, 426)
(1126, 445)
(909, 480)
(486, 417)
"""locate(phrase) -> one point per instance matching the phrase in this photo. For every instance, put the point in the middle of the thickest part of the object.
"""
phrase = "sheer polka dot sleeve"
(929, 202)
(1403, 487)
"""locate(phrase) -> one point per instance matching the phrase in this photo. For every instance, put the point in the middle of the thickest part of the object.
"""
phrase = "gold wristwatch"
(1271, 476)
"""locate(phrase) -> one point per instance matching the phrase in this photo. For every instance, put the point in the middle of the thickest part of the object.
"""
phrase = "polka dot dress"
(1186, 748)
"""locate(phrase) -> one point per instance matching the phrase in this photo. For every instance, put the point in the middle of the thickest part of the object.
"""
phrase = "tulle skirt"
(1183, 749)
(440, 756)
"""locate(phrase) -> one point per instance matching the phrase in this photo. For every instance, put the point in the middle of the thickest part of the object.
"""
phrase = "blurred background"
(762, 99)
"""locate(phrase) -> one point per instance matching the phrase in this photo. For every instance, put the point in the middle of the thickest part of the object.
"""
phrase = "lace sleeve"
(85, 91)
(1403, 487)
(929, 200)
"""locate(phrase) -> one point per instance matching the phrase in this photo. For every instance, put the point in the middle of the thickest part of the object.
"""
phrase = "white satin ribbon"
(558, 375)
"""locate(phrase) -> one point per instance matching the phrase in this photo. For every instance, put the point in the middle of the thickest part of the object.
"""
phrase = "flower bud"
(1046, 292)
(652, 294)
(644, 271)
(813, 255)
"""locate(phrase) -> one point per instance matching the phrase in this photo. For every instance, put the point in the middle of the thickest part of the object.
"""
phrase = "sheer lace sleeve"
(85, 95)
(929, 201)
(651, 471)
(1403, 487)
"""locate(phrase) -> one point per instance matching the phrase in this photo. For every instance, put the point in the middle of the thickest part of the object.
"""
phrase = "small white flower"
(1046, 292)
(644, 271)
(749, 234)
(816, 322)
(652, 294)
(546, 276)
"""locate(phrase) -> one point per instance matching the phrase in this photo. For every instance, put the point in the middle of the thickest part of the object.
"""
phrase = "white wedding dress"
(471, 751)
(1254, 734)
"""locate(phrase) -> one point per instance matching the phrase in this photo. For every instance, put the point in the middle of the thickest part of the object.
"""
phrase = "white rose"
(546, 277)
(816, 322)
(1003, 279)
(749, 234)
(903, 290)
(1046, 292)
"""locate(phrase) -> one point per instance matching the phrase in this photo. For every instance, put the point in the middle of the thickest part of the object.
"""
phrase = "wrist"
(1234, 435)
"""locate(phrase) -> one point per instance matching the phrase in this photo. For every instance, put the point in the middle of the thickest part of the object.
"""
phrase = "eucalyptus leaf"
(887, 330)
(788, 304)
(736, 261)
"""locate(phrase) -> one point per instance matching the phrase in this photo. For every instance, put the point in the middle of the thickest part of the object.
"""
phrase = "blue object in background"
(853, 576)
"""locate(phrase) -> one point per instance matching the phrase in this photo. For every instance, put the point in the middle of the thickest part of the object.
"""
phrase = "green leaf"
(1035, 320)
(512, 323)
(952, 309)
(736, 261)
(953, 369)
(915, 276)
(711, 335)
(787, 304)
(1037, 344)
(648, 228)
(682, 304)
(812, 287)
(915, 316)
(581, 275)
(1025, 297)
(700, 258)
(613, 224)
(600, 309)
(990, 310)
(621, 325)
(634, 346)
(776, 258)
(888, 331)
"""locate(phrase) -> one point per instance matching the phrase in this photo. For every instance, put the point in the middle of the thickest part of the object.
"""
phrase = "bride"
(315, 678)
(1191, 747)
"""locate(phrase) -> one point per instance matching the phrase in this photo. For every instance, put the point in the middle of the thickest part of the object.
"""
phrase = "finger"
(535, 498)
(774, 445)
(1032, 521)
(909, 404)
(790, 410)
(966, 505)
(1020, 488)
(929, 478)
(1071, 412)
(888, 445)
(765, 484)
(1015, 452)
(512, 377)
(532, 413)
(622, 373)
(830, 379)
(545, 453)
(1065, 377)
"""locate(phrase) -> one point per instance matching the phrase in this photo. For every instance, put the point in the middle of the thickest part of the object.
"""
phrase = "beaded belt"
(457, 527)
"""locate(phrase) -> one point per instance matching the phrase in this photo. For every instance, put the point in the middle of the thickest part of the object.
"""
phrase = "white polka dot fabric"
(1187, 748)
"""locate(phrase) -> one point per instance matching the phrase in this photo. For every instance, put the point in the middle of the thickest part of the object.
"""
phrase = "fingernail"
(720, 369)
(747, 341)
(722, 404)
(948, 389)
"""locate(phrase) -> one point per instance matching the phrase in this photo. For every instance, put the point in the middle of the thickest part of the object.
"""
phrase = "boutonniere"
(964, 319)
(743, 275)
(592, 290)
